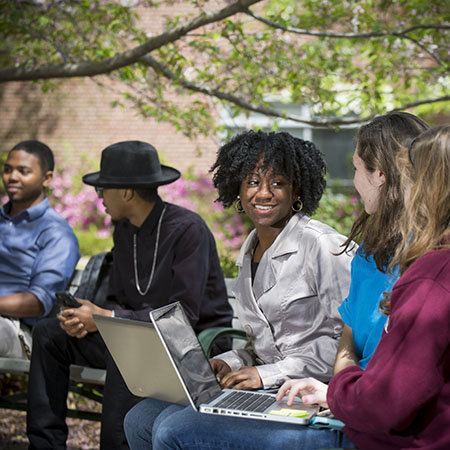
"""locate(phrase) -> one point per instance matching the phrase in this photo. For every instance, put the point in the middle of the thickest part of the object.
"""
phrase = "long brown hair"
(377, 144)
(425, 222)
(426, 219)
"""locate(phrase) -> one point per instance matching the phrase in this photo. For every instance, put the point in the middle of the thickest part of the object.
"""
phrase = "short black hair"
(147, 194)
(40, 150)
(294, 158)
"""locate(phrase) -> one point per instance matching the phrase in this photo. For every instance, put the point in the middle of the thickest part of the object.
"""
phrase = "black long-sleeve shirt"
(187, 269)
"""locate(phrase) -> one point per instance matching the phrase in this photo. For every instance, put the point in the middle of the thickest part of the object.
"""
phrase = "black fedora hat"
(131, 164)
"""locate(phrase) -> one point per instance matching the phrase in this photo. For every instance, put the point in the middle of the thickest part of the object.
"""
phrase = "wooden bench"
(87, 381)
(84, 381)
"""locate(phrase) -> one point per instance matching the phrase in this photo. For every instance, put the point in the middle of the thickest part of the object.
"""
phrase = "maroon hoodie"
(402, 399)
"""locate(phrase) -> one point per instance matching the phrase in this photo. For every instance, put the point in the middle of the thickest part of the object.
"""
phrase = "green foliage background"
(346, 59)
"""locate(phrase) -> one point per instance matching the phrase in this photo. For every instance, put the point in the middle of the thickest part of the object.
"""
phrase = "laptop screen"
(187, 353)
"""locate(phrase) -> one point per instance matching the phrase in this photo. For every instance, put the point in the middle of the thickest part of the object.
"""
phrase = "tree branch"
(445, 98)
(56, 46)
(428, 52)
(304, 31)
(126, 58)
(242, 103)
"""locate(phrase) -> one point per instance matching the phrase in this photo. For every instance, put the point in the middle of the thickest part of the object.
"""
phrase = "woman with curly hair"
(292, 272)
(291, 279)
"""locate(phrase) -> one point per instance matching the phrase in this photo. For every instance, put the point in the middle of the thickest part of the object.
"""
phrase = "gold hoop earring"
(297, 205)
(238, 205)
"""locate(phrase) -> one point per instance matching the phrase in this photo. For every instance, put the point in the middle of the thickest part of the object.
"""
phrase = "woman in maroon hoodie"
(402, 399)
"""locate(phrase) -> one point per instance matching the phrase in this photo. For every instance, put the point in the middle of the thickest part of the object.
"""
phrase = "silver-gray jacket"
(290, 313)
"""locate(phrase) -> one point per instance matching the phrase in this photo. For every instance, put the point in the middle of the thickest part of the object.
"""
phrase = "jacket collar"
(285, 243)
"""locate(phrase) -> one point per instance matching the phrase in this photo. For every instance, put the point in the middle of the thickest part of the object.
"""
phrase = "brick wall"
(78, 118)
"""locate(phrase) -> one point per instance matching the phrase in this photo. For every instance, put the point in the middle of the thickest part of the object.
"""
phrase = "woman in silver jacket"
(292, 277)
(292, 273)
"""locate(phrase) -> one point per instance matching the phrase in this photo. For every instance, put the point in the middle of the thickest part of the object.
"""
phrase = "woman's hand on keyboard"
(310, 391)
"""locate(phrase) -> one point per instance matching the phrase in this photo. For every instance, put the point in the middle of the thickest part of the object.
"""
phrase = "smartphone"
(67, 299)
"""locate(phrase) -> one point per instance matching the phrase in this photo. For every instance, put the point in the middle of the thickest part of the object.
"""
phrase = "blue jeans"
(139, 420)
(184, 428)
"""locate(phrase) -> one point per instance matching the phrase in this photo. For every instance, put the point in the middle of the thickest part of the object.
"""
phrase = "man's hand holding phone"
(76, 315)
(67, 299)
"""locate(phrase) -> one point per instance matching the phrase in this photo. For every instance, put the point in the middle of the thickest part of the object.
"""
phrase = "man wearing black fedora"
(162, 253)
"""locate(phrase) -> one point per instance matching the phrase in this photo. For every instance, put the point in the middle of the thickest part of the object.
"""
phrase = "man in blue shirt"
(38, 249)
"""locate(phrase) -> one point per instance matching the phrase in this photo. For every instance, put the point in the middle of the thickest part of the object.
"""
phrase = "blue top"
(38, 253)
(360, 309)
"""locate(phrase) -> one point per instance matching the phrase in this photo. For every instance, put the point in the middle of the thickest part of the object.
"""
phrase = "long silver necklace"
(155, 254)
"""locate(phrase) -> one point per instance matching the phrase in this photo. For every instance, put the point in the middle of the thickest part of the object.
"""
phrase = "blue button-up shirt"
(38, 253)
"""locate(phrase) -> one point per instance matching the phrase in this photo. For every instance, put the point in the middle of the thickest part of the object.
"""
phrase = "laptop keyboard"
(246, 401)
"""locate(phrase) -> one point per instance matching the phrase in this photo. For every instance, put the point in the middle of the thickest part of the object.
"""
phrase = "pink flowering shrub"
(79, 205)
(197, 193)
(338, 210)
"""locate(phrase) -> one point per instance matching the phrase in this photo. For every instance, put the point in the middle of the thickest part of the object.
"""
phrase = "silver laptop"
(141, 358)
(200, 383)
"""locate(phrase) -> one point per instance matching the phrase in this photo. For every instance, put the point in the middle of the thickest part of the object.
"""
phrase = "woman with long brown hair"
(402, 398)
(377, 181)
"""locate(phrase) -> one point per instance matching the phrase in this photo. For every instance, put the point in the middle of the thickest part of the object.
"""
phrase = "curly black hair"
(297, 160)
